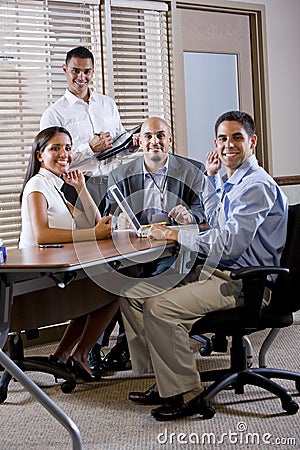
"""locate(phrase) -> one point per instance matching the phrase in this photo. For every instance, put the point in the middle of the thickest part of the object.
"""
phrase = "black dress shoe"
(175, 408)
(95, 358)
(118, 358)
(79, 371)
(149, 397)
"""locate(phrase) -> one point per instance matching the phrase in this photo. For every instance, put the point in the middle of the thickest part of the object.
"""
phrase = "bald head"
(155, 140)
(155, 122)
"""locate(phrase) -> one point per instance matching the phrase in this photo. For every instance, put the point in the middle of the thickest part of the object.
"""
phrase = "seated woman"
(48, 218)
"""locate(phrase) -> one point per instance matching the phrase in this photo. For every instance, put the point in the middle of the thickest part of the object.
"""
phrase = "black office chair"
(39, 363)
(33, 364)
(242, 321)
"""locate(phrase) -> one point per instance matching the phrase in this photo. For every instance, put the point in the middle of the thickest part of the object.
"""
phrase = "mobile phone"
(51, 245)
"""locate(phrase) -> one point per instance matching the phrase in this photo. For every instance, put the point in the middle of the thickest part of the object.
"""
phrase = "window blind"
(139, 39)
(35, 36)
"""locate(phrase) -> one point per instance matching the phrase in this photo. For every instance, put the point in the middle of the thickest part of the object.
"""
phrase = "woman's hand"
(103, 228)
(74, 178)
(213, 163)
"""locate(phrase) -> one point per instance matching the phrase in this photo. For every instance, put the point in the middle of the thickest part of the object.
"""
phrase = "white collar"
(73, 99)
(161, 170)
(58, 182)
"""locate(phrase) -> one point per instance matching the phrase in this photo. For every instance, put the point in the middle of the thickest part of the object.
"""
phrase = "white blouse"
(59, 215)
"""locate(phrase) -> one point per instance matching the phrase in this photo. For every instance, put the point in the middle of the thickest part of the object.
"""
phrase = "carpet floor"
(107, 420)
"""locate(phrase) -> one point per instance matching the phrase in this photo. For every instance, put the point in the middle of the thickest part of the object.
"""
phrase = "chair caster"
(215, 344)
(3, 394)
(290, 407)
(206, 349)
(208, 412)
(68, 386)
(298, 386)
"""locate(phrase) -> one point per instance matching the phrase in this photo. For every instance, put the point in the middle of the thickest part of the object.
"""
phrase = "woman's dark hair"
(39, 144)
(238, 116)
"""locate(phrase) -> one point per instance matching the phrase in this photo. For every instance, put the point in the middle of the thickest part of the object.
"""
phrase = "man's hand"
(101, 141)
(135, 143)
(136, 140)
(213, 163)
(122, 222)
(162, 233)
(181, 215)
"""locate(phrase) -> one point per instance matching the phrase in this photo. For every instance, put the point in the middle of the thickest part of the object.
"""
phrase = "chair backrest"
(286, 292)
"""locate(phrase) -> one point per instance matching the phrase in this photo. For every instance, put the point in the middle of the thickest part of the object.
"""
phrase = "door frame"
(257, 20)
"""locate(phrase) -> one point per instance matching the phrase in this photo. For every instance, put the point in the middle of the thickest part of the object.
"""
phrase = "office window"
(131, 49)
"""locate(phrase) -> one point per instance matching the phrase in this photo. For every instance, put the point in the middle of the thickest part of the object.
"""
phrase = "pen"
(51, 245)
(150, 224)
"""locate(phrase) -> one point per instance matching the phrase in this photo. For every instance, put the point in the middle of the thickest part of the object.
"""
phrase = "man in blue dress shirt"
(248, 218)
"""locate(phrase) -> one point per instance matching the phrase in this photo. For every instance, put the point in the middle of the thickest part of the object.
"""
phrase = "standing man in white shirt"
(93, 121)
(91, 118)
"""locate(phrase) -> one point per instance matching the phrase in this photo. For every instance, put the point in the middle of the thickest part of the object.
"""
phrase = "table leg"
(41, 397)
(6, 290)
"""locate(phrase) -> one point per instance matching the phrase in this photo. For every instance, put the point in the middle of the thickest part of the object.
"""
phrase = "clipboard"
(120, 143)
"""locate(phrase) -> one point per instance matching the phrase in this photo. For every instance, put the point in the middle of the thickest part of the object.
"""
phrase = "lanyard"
(161, 189)
(63, 199)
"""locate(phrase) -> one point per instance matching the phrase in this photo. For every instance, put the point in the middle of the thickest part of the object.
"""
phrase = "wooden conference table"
(44, 286)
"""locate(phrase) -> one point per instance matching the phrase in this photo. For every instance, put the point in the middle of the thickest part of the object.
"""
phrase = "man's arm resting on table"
(162, 233)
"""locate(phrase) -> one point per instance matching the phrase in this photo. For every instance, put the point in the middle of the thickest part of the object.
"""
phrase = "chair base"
(240, 374)
(260, 377)
(33, 364)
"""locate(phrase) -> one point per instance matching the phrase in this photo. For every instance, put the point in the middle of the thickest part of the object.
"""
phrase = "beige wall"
(283, 45)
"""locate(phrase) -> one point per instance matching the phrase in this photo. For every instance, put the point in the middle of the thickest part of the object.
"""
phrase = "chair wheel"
(290, 407)
(3, 394)
(208, 412)
(298, 386)
(206, 349)
(68, 386)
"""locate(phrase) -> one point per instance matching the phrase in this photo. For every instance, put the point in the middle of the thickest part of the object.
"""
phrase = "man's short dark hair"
(238, 116)
(79, 52)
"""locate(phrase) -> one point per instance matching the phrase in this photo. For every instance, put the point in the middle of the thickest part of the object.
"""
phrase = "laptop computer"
(131, 217)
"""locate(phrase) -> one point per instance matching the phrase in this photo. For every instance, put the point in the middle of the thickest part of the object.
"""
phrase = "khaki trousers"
(157, 327)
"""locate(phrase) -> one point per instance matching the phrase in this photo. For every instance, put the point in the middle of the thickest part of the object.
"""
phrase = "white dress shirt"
(83, 120)
(154, 192)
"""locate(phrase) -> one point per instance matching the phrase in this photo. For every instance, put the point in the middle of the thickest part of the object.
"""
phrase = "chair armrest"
(254, 283)
(256, 271)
